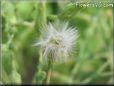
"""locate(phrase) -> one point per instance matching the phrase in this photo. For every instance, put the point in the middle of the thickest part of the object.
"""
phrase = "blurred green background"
(93, 58)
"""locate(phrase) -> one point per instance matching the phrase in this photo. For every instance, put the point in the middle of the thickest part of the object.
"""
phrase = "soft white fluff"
(58, 43)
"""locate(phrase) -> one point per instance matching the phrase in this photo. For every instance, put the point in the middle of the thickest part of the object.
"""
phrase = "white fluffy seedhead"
(58, 41)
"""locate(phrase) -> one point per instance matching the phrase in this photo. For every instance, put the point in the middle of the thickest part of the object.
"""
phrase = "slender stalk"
(40, 18)
(49, 71)
(48, 76)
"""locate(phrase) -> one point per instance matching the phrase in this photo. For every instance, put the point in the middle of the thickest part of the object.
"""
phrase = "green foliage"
(92, 61)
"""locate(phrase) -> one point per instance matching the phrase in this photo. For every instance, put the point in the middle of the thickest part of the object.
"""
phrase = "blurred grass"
(21, 23)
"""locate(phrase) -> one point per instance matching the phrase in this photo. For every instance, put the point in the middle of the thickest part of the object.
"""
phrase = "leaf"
(15, 77)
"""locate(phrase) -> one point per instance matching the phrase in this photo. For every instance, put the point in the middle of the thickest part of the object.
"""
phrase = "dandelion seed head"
(58, 43)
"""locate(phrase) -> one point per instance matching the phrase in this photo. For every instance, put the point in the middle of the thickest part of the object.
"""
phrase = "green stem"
(48, 76)
(40, 21)
(40, 18)
(49, 71)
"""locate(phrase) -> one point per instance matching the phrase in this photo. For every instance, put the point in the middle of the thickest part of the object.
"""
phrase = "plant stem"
(48, 76)
(40, 21)
(49, 72)
(40, 17)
